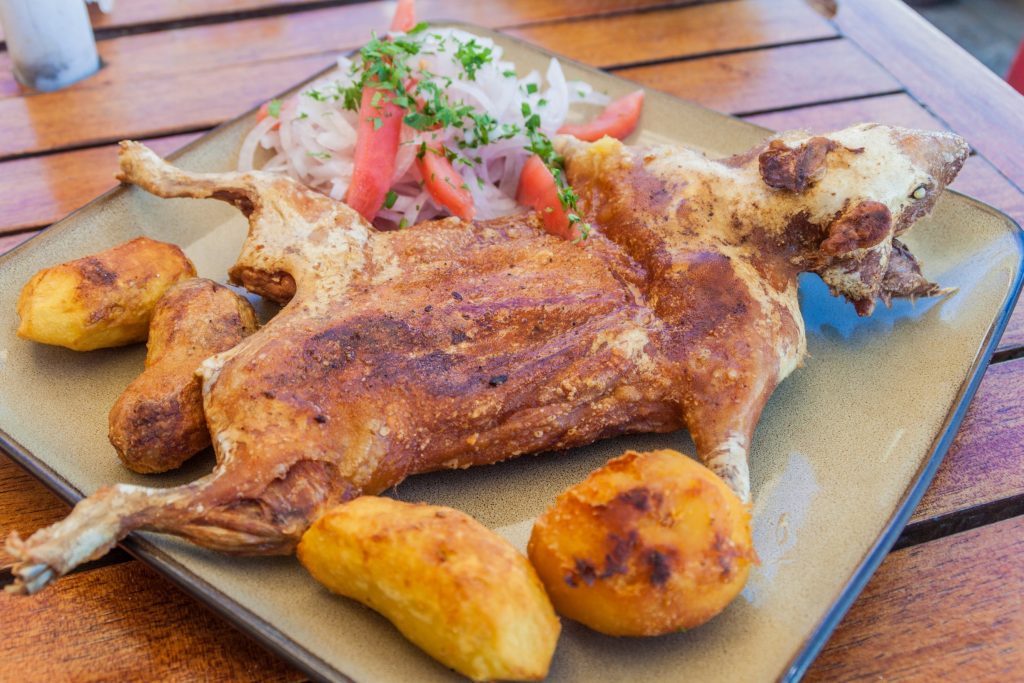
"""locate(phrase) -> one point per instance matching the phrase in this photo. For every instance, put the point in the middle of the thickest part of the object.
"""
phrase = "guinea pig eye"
(919, 192)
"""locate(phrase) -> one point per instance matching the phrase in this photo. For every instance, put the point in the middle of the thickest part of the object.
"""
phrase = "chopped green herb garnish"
(386, 65)
(472, 55)
(390, 198)
(320, 155)
(274, 108)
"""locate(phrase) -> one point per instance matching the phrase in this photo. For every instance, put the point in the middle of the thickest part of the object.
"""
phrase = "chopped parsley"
(472, 55)
(390, 198)
(274, 108)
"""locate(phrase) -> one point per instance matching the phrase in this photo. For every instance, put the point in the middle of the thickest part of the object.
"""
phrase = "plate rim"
(302, 658)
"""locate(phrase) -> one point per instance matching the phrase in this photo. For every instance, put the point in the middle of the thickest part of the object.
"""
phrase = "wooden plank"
(666, 34)
(894, 110)
(984, 464)
(25, 504)
(949, 81)
(125, 623)
(137, 12)
(1013, 338)
(40, 190)
(777, 78)
(146, 14)
(946, 610)
(157, 84)
(264, 39)
(163, 105)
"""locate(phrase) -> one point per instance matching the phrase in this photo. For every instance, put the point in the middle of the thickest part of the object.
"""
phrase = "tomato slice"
(445, 184)
(263, 112)
(404, 17)
(618, 120)
(538, 189)
(373, 164)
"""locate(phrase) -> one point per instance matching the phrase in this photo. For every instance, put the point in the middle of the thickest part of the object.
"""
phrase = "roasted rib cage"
(453, 344)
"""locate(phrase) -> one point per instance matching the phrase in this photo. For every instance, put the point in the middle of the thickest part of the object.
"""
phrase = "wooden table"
(947, 600)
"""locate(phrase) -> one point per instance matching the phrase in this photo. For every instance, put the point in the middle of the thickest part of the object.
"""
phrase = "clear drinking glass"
(50, 42)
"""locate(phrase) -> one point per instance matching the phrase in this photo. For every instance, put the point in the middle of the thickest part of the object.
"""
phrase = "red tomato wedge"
(537, 189)
(263, 112)
(617, 120)
(373, 164)
(444, 183)
(405, 16)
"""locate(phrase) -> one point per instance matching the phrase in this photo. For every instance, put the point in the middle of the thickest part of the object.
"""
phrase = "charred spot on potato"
(622, 548)
(585, 572)
(94, 272)
(637, 497)
(660, 568)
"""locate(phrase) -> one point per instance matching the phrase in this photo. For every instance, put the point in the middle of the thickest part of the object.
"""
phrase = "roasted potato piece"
(101, 300)
(158, 422)
(649, 544)
(449, 584)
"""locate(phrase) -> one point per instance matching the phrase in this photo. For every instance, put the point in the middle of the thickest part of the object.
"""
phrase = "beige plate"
(844, 451)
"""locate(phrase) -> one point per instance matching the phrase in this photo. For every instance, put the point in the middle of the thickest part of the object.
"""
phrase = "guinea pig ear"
(858, 226)
(794, 168)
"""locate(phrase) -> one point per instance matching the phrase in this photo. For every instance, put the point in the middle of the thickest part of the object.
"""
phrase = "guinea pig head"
(863, 187)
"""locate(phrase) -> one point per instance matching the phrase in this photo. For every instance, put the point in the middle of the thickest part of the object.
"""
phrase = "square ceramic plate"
(843, 453)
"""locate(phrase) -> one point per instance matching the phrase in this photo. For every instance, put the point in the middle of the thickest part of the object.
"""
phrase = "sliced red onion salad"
(311, 137)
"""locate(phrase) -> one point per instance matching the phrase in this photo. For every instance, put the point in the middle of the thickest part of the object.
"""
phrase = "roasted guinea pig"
(102, 300)
(453, 344)
(158, 422)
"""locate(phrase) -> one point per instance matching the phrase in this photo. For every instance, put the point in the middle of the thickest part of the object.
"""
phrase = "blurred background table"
(947, 602)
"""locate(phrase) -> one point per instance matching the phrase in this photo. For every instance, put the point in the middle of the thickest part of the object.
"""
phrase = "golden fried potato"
(449, 584)
(101, 300)
(158, 422)
(649, 544)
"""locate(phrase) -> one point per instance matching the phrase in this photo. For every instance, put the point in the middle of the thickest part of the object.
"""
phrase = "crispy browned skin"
(158, 422)
(454, 344)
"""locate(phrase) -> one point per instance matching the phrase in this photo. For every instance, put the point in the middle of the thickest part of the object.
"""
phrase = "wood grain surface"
(125, 623)
(949, 610)
(971, 99)
(40, 190)
(776, 78)
(985, 463)
(666, 34)
(944, 607)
